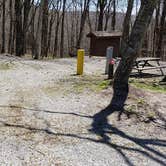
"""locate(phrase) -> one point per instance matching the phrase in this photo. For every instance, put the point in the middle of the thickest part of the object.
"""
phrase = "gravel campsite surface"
(46, 116)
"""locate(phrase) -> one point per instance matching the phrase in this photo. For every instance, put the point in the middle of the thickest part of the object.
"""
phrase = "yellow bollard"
(80, 61)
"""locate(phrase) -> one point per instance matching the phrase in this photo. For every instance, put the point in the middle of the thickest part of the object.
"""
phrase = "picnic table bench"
(147, 63)
(142, 64)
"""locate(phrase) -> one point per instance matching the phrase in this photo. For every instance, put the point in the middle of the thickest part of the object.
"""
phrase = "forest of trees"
(58, 28)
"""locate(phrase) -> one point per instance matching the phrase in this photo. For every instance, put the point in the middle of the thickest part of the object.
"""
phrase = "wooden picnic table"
(142, 64)
(147, 63)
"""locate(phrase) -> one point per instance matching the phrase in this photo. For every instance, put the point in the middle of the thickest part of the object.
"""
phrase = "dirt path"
(46, 114)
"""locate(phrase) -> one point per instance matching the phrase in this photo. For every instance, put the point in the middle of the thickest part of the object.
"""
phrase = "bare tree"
(156, 27)
(44, 31)
(129, 52)
(62, 30)
(27, 7)
(19, 48)
(113, 24)
(108, 14)
(10, 43)
(57, 24)
(82, 21)
(3, 25)
(51, 22)
(62, 27)
(101, 4)
(161, 30)
(126, 23)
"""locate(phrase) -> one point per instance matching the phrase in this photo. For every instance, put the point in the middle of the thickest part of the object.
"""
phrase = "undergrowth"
(151, 85)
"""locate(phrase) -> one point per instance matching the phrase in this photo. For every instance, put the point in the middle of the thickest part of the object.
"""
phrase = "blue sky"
(121, 7)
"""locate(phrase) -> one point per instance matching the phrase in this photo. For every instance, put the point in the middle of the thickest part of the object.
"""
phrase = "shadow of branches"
(102, 128)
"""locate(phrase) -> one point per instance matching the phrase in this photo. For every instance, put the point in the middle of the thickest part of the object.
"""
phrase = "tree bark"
(107, 14)
(113, 24)
(44, 35)
(101, 4)
(3, 25)
(129, 52)
(11, 27)
(82, 24)
(50, 31)
(62, 30)
(126, 24)
(156, 27)
(36, 34)
(161, 31)
(27, 7)
(56, 38)
(19, 49)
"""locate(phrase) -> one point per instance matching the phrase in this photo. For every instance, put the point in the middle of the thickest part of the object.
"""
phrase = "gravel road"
(46, 115)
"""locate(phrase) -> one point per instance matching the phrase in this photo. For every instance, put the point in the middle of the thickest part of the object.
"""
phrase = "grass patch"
(77, 85)
(151, 85)
(151, 115)
(141, 101)
(104, 84)
(92, 83)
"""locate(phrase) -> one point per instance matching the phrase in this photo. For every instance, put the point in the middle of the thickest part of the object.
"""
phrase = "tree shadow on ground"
(144, 75)
(44, 111)
(102, 128)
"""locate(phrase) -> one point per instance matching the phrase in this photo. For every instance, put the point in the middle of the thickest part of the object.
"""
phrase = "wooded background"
(57, 28)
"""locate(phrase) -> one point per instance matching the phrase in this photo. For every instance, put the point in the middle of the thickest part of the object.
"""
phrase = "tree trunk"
(19, 49)
(44, 35)
(56, 38)
(3, 25)
(101, 5)
(107, 14)
(161, 31)
(58, 19)
(11, 27)
(62, 30)
(82, 24)
(27, 7)
(156, 27)
(126, 24)
(129, 52)
(50, 32)
(113, 24)
(36, 33)
(33, 42)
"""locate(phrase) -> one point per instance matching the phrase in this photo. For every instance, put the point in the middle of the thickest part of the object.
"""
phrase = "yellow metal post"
(80, 61)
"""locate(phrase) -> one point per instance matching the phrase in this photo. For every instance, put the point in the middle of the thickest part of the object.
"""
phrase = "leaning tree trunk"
(129, 52)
